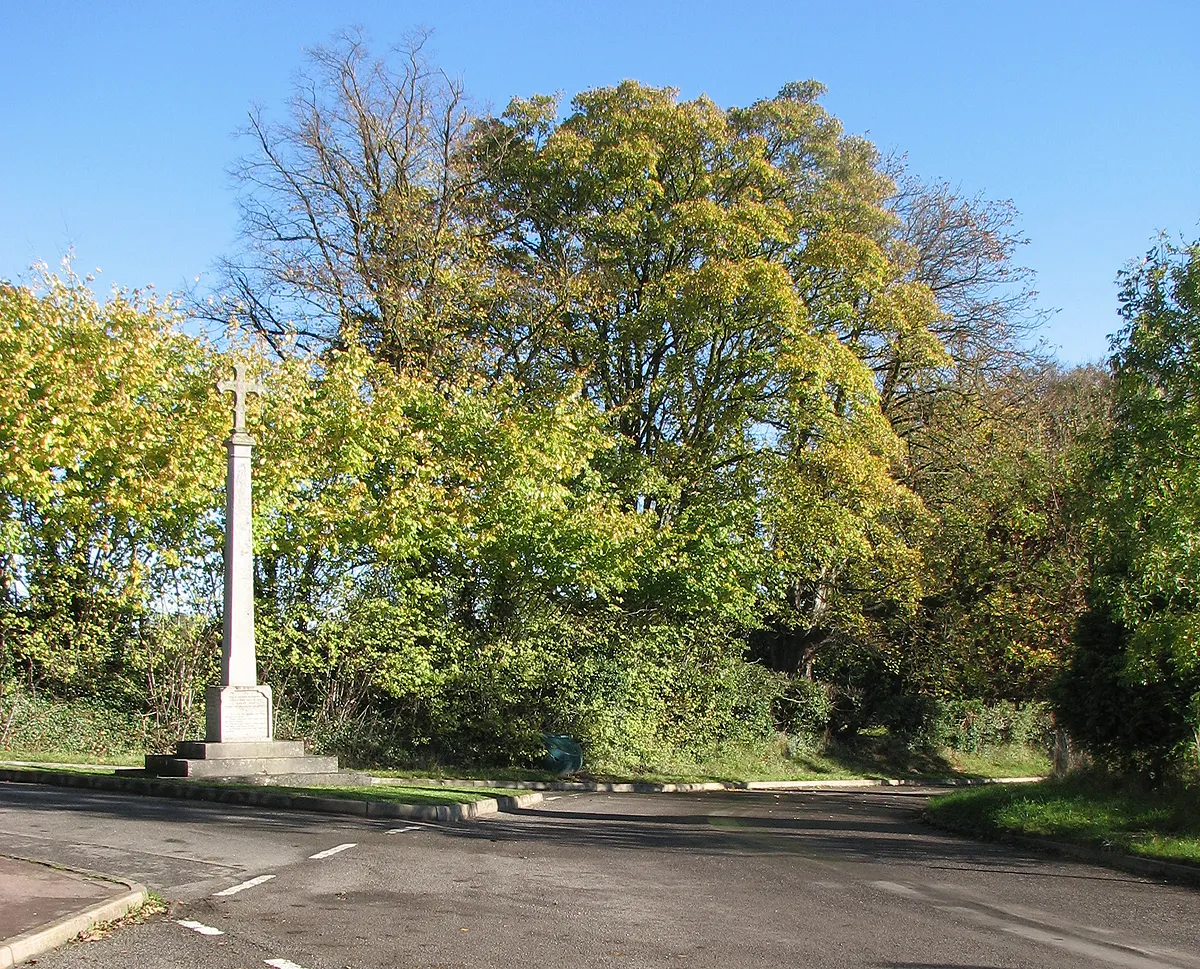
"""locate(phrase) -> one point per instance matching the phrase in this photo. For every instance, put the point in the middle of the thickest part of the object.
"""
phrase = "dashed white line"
(332, 851)
(411, 827)
(243, 886)
(281, 964)
(199, 927)
(555, 798)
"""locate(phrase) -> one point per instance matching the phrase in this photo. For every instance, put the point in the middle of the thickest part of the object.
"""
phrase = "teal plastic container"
(563, 754)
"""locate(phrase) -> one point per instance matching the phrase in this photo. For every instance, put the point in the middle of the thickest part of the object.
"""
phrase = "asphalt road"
(730, 880)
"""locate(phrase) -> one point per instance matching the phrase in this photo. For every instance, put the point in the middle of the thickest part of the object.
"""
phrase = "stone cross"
(240, 390)
(239, 710)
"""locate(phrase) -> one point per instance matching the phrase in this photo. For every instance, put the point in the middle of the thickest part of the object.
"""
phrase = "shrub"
(973, 726)
(925, 723)
(804, 708)
(914, 720)
(1135, 724)
(38, 723)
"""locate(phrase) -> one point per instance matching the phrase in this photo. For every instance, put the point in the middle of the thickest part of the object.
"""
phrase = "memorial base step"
(249, 759)
(207, 750)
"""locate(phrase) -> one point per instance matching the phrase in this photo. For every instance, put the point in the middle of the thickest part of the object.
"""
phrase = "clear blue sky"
(117, 119)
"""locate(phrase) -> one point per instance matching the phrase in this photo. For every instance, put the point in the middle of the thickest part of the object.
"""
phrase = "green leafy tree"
(107, 421)
(717, 278)
(1137, 655)
(1006, 567)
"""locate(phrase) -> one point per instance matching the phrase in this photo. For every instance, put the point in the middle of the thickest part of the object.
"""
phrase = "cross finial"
(239, 387)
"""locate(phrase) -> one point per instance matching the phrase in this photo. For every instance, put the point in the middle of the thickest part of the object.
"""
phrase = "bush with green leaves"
(928, 723)
(45, 725)
(804, 707)
(975, 726)
(1137, 724)
(913, 720)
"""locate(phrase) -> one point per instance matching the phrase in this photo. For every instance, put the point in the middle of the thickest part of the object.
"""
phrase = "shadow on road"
(884, 829)
(128, 807)
(866, 827)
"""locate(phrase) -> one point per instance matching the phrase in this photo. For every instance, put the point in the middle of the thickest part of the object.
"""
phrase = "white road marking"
(555, 798)
(199, 927)
(281, 964)
(411, 827)
(332, 851)
(1113, 953)
(1059, 937)
(243, 886)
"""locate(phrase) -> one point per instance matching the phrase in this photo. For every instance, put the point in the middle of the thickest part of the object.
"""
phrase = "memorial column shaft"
(239, 665)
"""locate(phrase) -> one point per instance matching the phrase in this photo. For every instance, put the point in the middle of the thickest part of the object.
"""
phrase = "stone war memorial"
(239, 717)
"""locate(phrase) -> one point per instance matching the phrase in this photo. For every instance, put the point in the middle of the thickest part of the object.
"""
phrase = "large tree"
(107, 420)
(1132, 692)
(714, 280)
(353, 212)
(698, 268)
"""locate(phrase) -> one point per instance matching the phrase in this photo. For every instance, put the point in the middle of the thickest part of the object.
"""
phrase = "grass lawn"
(868, 757)
(1084, 809)
(395, 793)
(36, 756)
(439, 772)
(1008, 761)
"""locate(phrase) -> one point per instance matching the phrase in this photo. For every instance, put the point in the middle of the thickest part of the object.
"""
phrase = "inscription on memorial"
(239, 714)
(245, 713)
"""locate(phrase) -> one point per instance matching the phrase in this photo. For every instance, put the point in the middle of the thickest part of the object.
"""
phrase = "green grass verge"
(394, 793)
(730, 764)
(1009, 761)
(43, 756)
(1086, 809)
(867, 757)
(441, 772)
(772, 760)
(55, 768)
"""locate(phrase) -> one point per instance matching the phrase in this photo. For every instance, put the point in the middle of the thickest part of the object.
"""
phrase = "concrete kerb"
(1088, 854)
(263, 796)
(15, 950)
(645, 787)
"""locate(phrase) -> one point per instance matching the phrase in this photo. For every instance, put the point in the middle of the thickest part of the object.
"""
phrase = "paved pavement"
(32, 894)
(830, 879)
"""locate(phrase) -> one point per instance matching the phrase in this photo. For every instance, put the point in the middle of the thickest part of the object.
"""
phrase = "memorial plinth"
(239, 731)
(238, 714)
